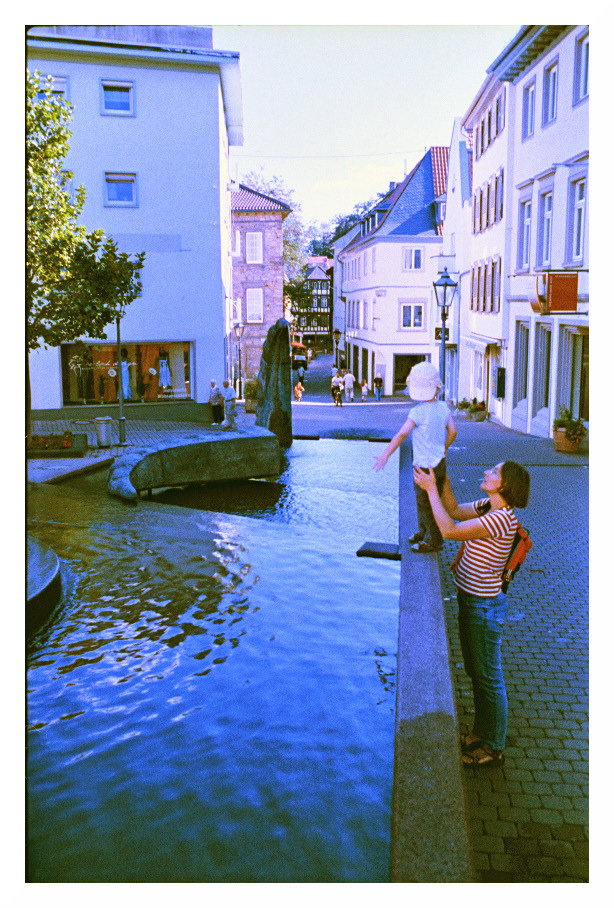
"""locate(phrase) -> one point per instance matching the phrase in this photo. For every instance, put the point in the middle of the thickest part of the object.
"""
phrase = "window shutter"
(254, 304)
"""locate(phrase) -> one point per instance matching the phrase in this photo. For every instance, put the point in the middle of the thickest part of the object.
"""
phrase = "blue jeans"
(427, 525)
(378, 393)
(480, 623)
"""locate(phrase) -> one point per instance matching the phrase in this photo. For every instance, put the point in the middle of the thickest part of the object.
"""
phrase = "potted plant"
(478, 411)
(462, 408)
(568, 431)
(251, 395)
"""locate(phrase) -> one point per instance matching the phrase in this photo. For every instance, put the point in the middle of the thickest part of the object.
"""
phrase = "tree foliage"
(76, 282)
(322, 236)
(294, 240)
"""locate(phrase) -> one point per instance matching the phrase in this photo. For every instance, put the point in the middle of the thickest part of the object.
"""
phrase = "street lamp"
(122, 418)
(445, 288)
(239, 329)
(337, 336)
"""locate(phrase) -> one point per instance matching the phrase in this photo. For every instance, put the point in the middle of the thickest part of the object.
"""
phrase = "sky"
(341, 111)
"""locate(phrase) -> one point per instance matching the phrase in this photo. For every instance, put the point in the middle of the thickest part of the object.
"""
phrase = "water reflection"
(218, 683)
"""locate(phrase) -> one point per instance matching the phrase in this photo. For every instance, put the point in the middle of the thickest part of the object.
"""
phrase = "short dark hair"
(515, 484)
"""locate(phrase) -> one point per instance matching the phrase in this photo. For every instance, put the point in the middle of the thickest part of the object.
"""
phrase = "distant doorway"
(403, 364)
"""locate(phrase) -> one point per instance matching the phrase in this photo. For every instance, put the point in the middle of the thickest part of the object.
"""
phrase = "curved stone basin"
(221, 455)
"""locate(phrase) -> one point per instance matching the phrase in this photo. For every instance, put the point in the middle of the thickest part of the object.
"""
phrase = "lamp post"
(122, 418)
(239, 329)
(445, 288)
(337, 336)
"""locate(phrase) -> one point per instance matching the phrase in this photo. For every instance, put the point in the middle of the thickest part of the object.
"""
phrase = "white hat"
(423, 381)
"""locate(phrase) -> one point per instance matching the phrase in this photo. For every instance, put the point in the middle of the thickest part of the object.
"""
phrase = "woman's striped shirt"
(481, 564)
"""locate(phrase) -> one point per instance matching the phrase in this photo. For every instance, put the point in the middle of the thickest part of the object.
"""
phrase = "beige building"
(257, 274)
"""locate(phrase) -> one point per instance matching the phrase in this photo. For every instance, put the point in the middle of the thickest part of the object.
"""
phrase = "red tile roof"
(247, 199)
(439, 158)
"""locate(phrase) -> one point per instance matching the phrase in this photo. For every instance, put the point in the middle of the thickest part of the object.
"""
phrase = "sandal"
(423, 547)
(469, 746)
(417, 537)
(483, 755)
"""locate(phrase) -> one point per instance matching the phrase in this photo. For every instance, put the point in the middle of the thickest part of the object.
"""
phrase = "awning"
(480, 344)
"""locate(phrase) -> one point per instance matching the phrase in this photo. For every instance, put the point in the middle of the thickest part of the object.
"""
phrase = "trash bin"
(103, 431)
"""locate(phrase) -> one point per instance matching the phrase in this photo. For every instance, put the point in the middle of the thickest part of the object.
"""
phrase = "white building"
(387, 277)
(155, 110)
(523, 345)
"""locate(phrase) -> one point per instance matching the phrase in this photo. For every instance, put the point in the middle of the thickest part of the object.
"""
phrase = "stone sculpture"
(273, 406)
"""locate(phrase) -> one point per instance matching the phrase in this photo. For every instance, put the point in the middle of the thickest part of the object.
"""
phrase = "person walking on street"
(298, 391)
(301, 373)
(363, 390)
(337, 389)
(348, 382)
(486, 528)
(230, 405)
(378, 383)
(433, 431)
(216, 401)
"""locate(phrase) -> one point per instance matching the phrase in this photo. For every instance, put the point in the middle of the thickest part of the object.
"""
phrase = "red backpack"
(520, 548)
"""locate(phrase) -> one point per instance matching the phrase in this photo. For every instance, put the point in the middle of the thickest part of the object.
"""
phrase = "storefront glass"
(150, 373)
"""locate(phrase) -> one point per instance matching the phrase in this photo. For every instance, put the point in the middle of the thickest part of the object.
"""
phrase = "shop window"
(149, 372)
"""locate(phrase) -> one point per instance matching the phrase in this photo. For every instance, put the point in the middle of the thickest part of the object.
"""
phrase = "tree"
(322, 236)
(76, 282)
(294, 239)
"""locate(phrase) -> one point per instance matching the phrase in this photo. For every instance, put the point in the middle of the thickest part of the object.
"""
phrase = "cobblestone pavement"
(528, 819)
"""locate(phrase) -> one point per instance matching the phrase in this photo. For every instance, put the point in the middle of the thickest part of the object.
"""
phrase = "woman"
(486, 528)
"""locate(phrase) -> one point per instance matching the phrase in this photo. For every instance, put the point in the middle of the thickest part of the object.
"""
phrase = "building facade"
(387, 274)
(524, 319)
(257, 274)
(314, 320)
(156, 176)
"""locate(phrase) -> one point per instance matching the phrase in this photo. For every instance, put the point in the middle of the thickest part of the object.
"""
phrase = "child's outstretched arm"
(450, 432)
(399, 438)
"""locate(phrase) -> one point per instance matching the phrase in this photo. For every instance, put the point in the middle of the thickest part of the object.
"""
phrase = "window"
(578, 196)
(412, 259)
(373, 315)
(581, 69)
(487, 206)
(474, 286)
(551, 80)
(117, 98)
(478, 371)
(365, 314)
(545, 228)
(528, 110)
(59, 87)
(412, 315)
(521, 362)
(373, 260)
(500, 195)
(541, 389)
(364, 264)
(236, 249)
(120, 190)
(476, 142)
(496, 284)
(253, 248)
(524, 235)
(254, 304)
(488, 282)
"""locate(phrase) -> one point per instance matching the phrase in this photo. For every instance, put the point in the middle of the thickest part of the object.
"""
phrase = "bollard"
(103, 431)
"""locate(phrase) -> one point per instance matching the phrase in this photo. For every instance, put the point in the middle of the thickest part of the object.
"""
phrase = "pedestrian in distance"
(216, 401)
(486, 529)
(298, 391)
(348, 383)
(432, 432)
(301, 373)
(230, 405)
(378, 384)
(363, 390)
(337, 389)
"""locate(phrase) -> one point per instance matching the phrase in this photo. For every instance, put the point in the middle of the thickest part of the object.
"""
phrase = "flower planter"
(461, 413)
(58, 446)
(566, 445)
(480, 416)
(250, 405)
